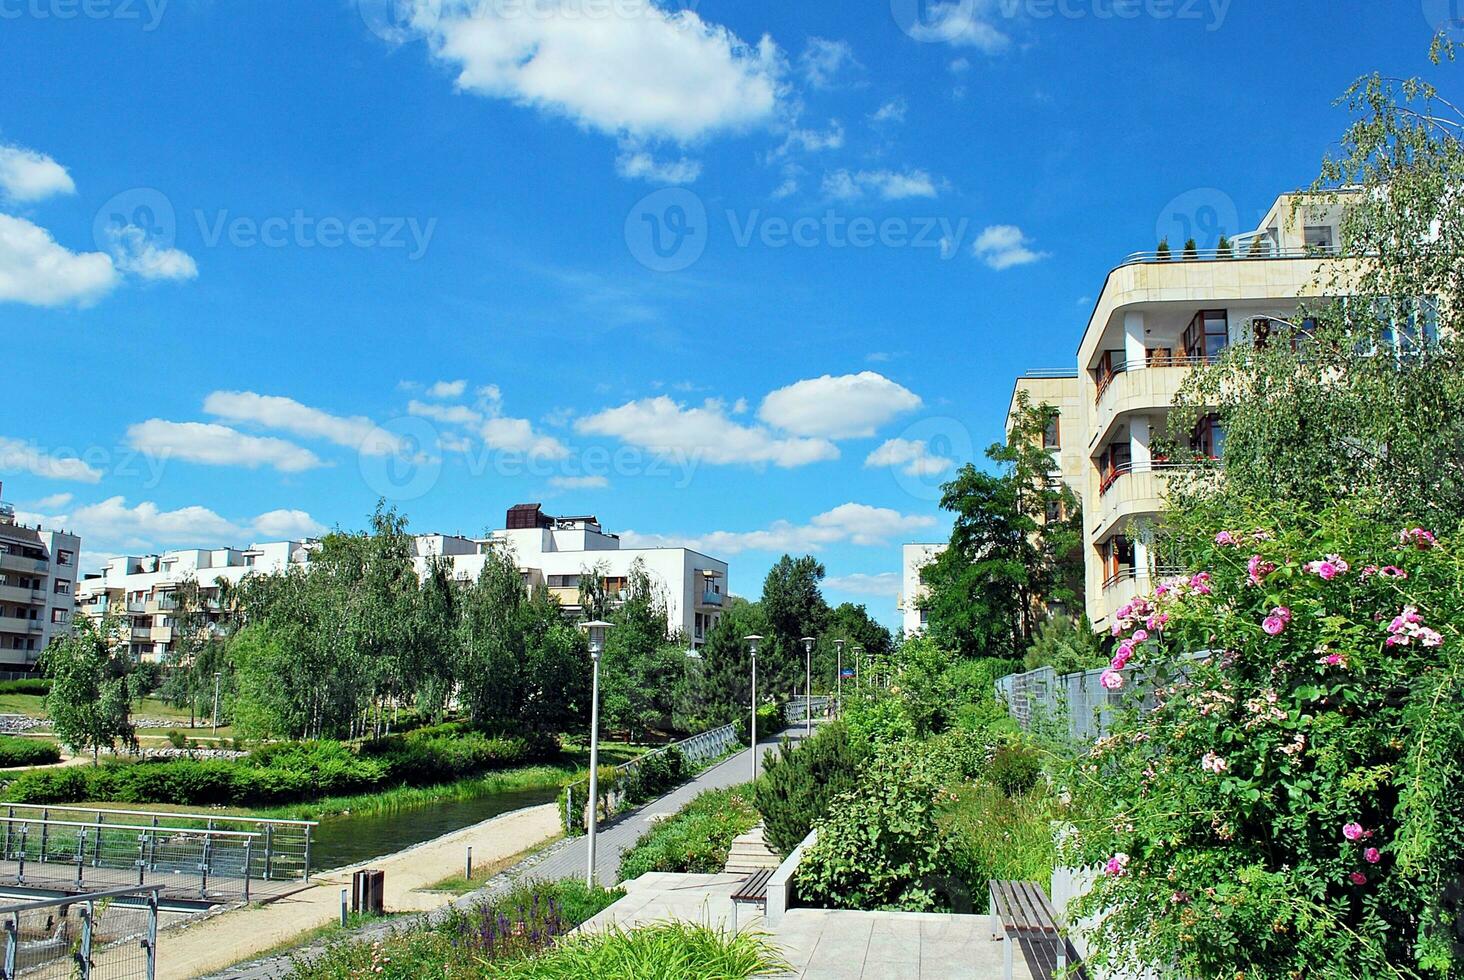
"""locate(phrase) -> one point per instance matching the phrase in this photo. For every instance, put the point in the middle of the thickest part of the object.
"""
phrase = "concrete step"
(750, 853)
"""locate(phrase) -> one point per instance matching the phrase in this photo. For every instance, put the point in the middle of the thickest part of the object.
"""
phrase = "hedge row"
(286, 773)
(30, 685)
(17, 752)
(696, 839)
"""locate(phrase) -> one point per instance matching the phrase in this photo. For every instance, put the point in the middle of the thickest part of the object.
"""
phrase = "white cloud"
(851, 523)
(1005, 246)
(218, 445)
(822, 61)
(638, 70)
(891, 112)
(963, 23)
(705, 433)
(518, 436)
(27, 176)
(811, 140)
(578, 482)
(286, 414)
(959, 66)
(35, 270)
(54, 501)
(447, 389)
(287, 525)
(844, 407)
(635, 163)
(113, 525)
(448, 414)
(912, 456)
(879, 584)
(134, 253)
(25, 457)
(888, 184)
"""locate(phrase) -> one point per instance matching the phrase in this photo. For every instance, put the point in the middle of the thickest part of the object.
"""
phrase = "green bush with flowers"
(1282, 794)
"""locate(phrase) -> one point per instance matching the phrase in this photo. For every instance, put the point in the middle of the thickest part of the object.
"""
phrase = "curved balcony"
(1139, 386)
(1132, 490)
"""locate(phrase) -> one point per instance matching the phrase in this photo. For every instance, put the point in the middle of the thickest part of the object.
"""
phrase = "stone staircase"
(751, 853)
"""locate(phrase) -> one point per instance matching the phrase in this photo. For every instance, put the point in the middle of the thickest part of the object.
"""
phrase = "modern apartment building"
(1156, 318)
(37, 588)
(914, 557)
(551, 551)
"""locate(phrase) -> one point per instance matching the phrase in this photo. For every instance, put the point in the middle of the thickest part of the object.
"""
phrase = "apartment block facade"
(38, 575)
(1157, 317)
(551, 551)
(913, 558)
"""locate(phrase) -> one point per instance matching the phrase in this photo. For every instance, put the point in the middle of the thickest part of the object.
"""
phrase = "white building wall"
(914, 557)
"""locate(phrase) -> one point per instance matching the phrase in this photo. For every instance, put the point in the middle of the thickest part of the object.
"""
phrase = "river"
(349, 839)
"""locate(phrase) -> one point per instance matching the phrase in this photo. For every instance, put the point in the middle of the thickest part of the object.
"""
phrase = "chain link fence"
(695, 752)
(1079, 701)
(201, 857)
(108, 935)
(799, 709)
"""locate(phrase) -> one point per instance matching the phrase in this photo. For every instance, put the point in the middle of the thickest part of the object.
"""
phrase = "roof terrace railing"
(1241, 252)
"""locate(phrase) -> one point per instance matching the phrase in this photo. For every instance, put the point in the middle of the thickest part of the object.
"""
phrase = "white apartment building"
(38, 573)
(551, 551)
(914, 557)
(1154, 321)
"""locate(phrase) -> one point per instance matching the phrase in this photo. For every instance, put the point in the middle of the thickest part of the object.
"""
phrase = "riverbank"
(222, 940)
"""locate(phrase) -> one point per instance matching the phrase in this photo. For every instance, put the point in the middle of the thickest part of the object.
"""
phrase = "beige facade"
(1154, 321)
(38, 575)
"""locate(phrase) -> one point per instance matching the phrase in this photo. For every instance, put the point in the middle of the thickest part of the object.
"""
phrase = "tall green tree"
(794, 607)
(90, 701)
(723, 678)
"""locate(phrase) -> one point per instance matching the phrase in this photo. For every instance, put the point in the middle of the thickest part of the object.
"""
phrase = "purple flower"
(1352, 830)
(1372, 855)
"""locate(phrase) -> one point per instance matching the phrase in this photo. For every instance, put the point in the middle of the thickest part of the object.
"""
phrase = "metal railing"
(1107, 376)
(1131, 574)
(798, 709)
(67, 846)
(1079, 701)
(1113, 474)
(695, 751)
(1258, 248)
(103, 935)
(1042, 374)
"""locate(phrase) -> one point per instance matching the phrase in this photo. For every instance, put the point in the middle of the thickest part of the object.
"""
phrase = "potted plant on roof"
(1191, 250)
(1162, 253)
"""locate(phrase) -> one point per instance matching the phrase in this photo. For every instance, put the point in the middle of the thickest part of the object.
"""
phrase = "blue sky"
(752, 276)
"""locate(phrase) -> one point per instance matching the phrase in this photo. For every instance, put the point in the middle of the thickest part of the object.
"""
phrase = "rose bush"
(1282, 794)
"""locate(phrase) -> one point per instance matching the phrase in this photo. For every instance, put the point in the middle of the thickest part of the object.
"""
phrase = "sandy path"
(193, 950)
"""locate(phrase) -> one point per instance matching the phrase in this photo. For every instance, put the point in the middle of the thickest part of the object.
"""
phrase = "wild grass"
(664, 951)
(697, 838)
(995, 835)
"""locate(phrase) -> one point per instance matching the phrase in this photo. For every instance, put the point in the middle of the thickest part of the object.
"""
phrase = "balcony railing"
(1107, 377)
(1112, 475)
(710, 598)
(1131, 574)
(1241, 252)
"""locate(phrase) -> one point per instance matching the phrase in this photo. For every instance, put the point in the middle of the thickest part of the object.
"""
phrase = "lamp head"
(596, 629)
(808, 643)
(753, 640)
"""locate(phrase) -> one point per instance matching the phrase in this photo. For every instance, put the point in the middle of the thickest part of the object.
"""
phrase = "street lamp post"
(596, 630)
(808, 643)
(839, 675)
(752, 641)
(858, 666)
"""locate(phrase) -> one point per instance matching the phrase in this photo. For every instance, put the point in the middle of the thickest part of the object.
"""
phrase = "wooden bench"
(1021, 913)
(752, 891)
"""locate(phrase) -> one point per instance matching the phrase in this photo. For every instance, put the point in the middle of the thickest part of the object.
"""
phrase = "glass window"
(1050, 436)
(1207, 334)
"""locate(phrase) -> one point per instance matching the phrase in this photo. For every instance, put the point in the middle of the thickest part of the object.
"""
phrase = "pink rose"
(1225, 539)
(1357, 878)
(1372, 855)
(1116, 865)
(1273, 625)
(1352, 830)
(1258, 568)
(1418, 537)
(1111, 679)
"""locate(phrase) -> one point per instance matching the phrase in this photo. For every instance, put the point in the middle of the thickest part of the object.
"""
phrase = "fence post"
(80, 854)
(268, 848)
(12, 940)
(84, 955)
(248, 841)
(152, 935)
(9, 819)
(45, 818)
(97, 848)
(141, 861)
(307, 852)
(20, 872)
(203, 866)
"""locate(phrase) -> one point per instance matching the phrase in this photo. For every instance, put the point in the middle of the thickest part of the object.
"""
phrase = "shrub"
(1163, 251)
(879, 847)
(1223, 249)
(28, 685)
(696, 839)
(877, 723)
(798, 784)
(993, 834)
(666, 949)
(1015, 768)
(1293, 797)
(654, 774)
(1191, 250)
(16, 752)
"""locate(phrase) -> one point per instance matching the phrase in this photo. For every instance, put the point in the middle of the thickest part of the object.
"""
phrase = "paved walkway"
(572, 860)
(821, 944)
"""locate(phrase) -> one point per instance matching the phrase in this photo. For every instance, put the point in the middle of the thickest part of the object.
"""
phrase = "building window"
(1319, 237)
(1051, 438)
(60, 616)
(1208, 439)
(1207, 335)
(63, 587)
(564, 581)
(65, 558)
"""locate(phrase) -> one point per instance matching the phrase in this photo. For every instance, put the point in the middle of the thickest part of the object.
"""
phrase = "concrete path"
(216, 942)
(820, 944)
(572, 861)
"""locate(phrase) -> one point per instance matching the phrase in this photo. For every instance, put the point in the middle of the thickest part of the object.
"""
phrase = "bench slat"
(754, 888)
